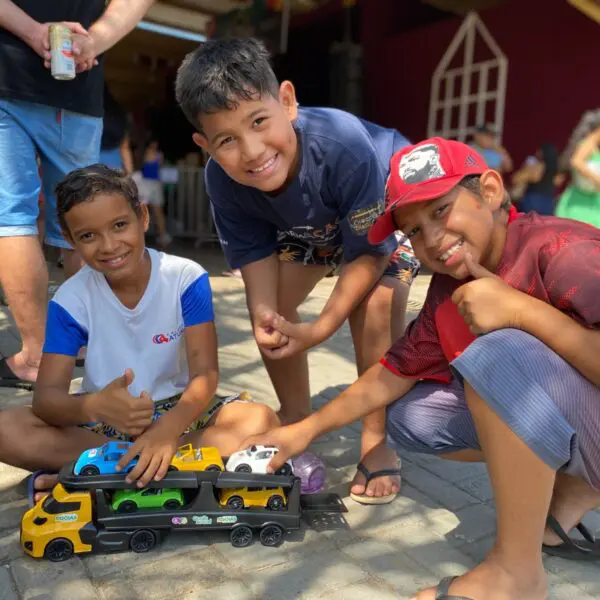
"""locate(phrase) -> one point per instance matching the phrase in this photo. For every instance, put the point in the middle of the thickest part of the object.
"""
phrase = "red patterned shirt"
(552, 259)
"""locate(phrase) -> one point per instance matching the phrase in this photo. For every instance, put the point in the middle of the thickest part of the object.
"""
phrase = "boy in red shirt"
(500, 366)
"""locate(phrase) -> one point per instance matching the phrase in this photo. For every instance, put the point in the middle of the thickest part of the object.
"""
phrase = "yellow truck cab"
(52, 528)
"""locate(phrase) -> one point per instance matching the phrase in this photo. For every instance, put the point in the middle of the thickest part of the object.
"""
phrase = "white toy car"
(255, 460)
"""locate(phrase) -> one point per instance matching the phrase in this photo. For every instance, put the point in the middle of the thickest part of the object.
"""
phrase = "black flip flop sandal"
(362, 498)
(442, 592)
(31, 491)
(9, 380)
(587, 549)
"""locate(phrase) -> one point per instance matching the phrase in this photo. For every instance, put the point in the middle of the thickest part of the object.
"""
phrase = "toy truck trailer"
(82, 519)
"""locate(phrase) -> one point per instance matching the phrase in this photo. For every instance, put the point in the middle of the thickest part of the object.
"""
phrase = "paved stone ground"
(442, 523)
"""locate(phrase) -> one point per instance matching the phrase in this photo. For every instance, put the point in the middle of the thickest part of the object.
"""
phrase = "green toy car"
(128, 501)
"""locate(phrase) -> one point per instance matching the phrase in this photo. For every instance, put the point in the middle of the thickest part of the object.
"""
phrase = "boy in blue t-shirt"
(151, 370)
(294, 191)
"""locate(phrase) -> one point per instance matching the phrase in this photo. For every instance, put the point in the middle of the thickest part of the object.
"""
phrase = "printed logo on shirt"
(318, 236)
(362, 218)
(165, 338)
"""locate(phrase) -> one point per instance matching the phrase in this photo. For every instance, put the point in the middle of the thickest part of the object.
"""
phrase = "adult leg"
(29, 443)
(71, 143)
(232, 424)
(375, 324)
(290, 375)
(23, 272)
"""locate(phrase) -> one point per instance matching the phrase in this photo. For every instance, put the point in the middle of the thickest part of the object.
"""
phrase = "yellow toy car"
(199, 459)
(236, 499)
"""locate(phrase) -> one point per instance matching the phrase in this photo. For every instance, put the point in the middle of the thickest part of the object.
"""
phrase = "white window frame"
(466, 35)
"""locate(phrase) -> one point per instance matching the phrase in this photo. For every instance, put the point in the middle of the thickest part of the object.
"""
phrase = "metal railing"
(188, 210)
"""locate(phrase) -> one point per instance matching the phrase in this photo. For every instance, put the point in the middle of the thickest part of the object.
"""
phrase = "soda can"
(62, 63)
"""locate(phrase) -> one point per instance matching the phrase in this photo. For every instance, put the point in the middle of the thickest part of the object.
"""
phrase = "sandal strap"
(563, 535)
(586, 533)
(443, 588)
(381, 473)
(442, 592)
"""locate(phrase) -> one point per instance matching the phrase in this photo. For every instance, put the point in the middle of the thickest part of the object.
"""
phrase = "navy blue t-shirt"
(333, 201)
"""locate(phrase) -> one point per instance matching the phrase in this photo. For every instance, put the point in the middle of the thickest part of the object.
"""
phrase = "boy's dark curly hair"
(220, 73)
(82, 185)
(473, 185)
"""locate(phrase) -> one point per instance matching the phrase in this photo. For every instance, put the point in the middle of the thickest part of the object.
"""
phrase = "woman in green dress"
(581, 200)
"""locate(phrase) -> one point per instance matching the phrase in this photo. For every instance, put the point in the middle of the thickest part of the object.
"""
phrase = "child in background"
(500, 366)
(152, 191)
(294, 191)
(151, 371)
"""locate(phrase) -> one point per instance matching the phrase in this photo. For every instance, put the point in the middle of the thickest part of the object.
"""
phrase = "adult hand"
(291, 440)
(488, 303)
(155, 448)
(40, 38)
(84, 52)
(115, 406)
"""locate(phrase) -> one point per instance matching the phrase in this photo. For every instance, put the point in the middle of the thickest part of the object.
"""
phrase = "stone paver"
(441, 524)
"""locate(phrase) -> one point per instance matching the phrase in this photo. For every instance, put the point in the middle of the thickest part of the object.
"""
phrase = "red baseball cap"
(421, 172)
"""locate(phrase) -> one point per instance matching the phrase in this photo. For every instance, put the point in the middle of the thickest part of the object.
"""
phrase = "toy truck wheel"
(235, 503)
(241, 536)
(127, 507)
(172, 468)
(285, 470)
(90, 470)
(172, 504)
(143, 540)
(271, 535)
(214, 468)
(59, 550)
(243, 468)
(275, 502)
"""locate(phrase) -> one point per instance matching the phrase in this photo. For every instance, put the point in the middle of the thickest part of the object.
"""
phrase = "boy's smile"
(109, 235)
(442, 231)
(254, 142)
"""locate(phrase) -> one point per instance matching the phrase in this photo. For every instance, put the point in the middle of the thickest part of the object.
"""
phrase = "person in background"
(115, 147)
(59, 121)
(581, 199)
(152, 190)
(496, 157)
(537, 179)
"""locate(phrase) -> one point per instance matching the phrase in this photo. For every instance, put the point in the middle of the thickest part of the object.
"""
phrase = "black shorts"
(402, 265)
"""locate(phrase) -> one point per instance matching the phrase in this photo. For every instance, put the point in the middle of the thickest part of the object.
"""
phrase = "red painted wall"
(553, 72)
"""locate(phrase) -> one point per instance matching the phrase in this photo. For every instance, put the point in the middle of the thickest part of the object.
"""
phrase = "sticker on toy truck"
(66, 518)
(227, 519)
(179, 520)
(202, 520)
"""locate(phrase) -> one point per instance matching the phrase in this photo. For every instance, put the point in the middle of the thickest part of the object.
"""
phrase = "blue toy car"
(103, 460)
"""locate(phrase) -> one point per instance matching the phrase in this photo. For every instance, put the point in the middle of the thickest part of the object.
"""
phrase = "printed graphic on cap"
(421, 164)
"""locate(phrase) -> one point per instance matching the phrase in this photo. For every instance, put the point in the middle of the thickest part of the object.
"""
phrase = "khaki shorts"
(150, 190)
(162, 406)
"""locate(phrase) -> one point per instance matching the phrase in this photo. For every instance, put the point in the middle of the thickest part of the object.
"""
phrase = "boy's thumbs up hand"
(116, 406)
(487, 303)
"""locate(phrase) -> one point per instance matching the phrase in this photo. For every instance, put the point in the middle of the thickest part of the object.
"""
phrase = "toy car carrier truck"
(81, 514)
